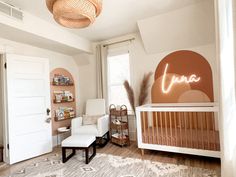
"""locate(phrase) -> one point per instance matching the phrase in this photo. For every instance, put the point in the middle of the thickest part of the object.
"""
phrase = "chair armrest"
(103, 125)
(75, 124)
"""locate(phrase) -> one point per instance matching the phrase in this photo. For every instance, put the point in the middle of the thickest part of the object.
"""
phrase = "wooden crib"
(181, 128)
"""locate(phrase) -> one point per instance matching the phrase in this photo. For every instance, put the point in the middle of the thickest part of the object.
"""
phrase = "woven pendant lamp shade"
(75, 13)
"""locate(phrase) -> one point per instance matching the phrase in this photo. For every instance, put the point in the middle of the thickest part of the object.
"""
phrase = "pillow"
(91, 120)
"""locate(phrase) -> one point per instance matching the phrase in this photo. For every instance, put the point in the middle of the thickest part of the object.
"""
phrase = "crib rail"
(184, 128)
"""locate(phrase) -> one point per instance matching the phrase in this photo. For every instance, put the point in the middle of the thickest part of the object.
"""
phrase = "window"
(118, 72)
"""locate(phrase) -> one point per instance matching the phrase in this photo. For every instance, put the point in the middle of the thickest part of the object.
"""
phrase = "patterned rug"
(104, 165)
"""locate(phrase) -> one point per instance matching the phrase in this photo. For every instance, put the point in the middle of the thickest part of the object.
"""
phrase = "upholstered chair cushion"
(91, 120)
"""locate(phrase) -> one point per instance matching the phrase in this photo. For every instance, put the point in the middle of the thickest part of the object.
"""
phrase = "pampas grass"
(143, 95)
(130, 94)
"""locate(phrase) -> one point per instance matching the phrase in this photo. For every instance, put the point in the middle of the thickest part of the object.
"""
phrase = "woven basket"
(75, 13)
(98, 6)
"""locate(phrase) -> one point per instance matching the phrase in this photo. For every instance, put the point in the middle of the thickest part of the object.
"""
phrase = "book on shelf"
(61, 80)
(63, 96)
(64, 113)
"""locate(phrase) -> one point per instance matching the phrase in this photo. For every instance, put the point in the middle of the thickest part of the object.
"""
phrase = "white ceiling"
(118, 17)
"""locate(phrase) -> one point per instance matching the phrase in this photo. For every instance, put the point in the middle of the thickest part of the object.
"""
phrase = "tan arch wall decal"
(185, 65)
(64, 123)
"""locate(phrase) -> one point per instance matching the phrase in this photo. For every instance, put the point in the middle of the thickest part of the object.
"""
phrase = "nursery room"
(122, 88)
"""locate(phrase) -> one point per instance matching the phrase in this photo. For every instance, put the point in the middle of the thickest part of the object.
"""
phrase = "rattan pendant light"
(74, 13)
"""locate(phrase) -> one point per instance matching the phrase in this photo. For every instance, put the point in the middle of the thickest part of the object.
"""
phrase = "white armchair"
(99, 130)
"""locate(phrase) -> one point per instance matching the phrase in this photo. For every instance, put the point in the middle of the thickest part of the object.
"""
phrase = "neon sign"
(177, 80)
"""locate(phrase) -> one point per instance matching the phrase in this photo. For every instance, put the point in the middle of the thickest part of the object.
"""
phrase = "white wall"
(87, 72)
(227, 58)
(190, 26)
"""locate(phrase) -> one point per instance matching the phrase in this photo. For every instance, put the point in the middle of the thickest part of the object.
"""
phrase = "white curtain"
(101, 62)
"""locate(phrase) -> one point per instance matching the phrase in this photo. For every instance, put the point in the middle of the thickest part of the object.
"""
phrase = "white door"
(28, 97)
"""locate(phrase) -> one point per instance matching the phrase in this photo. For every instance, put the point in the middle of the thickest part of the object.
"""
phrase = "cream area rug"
(104, 165)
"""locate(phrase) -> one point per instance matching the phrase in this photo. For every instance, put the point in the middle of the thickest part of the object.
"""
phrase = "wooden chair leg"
(74, 151)
(94, 148)
(87, 155)
(142, 152)
(108, 136)
(63, 155)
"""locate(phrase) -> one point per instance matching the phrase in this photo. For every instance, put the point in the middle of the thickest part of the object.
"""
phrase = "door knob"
(48, 120)
(48, 111)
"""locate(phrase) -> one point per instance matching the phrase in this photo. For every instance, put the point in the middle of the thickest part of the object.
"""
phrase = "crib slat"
(148, 128)
(213, 130)
(208, 130)
(162, 142)
(153, 135)
(171, 135)
(180, 122)
(196, 129)
(176, 136)
(191, 129)
(185, 130)
(202, 133)
(166, 127)
(144, 125)
(157, 134)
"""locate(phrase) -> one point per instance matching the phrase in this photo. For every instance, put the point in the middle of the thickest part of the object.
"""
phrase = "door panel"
(29, 106)
(24, 87)
(28, 67)
(28, 96)
(33, 121)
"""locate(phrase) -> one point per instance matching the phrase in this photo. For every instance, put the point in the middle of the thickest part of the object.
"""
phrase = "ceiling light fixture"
(75, 13)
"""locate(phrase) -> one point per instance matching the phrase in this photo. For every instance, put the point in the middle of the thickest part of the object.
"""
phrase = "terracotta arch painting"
(182, 77)
(54, 105)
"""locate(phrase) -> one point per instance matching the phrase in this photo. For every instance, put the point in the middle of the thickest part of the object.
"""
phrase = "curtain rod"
(105, 45)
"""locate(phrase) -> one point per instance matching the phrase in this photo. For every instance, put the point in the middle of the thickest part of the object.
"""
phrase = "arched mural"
(182, 77)
(56, 105)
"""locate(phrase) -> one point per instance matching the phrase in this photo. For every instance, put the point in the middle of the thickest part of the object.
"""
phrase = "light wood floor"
(133, 152)
(165, 157)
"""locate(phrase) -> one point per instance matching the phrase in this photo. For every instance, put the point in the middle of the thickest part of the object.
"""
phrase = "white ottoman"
(76, 142)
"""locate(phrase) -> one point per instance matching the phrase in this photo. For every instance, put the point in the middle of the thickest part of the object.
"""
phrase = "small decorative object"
(75, 13)
(63, 129)
(60, 114)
